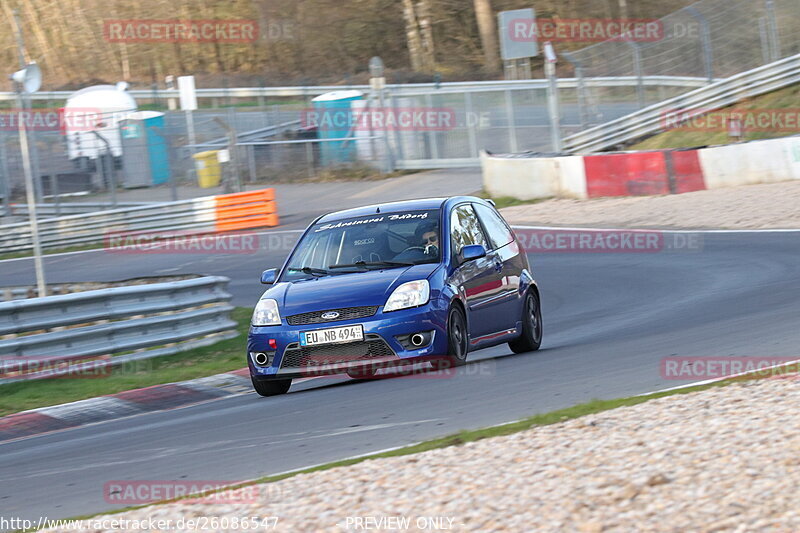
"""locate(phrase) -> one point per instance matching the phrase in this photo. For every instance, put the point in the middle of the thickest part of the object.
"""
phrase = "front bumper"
(380, 348)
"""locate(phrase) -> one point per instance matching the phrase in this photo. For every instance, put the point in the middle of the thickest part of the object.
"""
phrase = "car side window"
(465, 229)
(498, 231)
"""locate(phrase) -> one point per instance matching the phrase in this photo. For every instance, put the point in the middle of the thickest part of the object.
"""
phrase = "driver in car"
(430, 239)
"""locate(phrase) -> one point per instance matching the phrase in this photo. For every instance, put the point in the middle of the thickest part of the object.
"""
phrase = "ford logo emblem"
(330, 315)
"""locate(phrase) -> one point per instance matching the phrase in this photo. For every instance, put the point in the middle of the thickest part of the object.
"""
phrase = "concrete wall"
(642, 173)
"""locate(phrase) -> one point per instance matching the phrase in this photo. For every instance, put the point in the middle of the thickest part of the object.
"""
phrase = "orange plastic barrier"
(246, 210)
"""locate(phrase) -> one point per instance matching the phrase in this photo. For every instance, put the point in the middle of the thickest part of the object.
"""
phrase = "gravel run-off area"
(724, 459)
(769, 206)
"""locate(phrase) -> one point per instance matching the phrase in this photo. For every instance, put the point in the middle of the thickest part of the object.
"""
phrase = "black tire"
(531, 338)
(272, 387)
(457, 341)
(362, 373)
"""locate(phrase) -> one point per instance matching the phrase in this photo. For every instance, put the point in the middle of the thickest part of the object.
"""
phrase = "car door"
(505, 254)
(477, 281)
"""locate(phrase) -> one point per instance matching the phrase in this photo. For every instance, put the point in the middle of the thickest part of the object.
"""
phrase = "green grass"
(787, 98)
(223, 356)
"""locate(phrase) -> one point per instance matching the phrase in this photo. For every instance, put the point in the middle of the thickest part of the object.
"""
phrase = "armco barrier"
(137, 321)
(718, 95)
(229, 212)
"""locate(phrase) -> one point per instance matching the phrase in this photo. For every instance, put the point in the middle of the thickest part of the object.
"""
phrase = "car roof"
(391, 207)
(394, 207)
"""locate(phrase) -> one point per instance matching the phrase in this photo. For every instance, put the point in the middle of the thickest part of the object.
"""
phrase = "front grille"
(372, 347)
(315, 317)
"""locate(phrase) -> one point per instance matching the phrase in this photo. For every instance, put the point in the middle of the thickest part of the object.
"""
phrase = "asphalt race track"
(609, 320)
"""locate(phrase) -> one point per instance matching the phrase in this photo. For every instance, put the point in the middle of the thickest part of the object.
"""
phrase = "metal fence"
(273, 144)
(705, 42)
(128, 323)
(160, 221)
(698, 102)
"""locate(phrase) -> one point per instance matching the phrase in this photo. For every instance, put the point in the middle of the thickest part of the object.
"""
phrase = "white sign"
(518, 39)
(550, 53)
(223, 156)
(187, 92)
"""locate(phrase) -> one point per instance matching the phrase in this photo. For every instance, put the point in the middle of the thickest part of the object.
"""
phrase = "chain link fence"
(267, 144)
(712, 39)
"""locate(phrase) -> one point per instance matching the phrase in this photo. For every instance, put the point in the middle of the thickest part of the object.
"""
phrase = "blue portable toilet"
(334, 120)
(144, 149)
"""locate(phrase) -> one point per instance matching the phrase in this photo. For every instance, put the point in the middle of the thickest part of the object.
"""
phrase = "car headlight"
(411, 294)
(266, 313)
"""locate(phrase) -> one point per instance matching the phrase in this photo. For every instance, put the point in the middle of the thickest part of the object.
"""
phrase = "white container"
(99, 108)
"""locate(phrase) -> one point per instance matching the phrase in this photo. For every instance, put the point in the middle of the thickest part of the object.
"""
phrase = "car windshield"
(379, 241)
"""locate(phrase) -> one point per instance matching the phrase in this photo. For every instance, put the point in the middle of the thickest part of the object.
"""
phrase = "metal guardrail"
(397, 89)
(209, 214)
(180, 311)
(33, 314)
(93, 228)
(67, 208)
(712, 97)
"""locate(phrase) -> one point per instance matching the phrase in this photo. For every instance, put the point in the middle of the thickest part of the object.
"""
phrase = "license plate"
(332, 335)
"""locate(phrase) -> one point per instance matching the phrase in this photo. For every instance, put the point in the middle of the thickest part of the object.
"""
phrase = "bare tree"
(426, 30)
(419, 34)
(488, 31)
(623, 9)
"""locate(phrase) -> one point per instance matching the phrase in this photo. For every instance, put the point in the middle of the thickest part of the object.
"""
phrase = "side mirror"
(268, 276)
(472, 252)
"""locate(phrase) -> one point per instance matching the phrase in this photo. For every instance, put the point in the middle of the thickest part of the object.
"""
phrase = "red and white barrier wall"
(642, 173)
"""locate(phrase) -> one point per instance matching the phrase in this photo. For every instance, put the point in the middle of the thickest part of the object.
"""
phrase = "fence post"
(705, 36)
(251, 159)
(310, 159)
(512, 127)
(554, 106)
(5, 190)
(398, 138)
(432, 135)
(389, 158)
(772, 26)
(766, 44)
(471, 123)
(637, 69)
(578, 66)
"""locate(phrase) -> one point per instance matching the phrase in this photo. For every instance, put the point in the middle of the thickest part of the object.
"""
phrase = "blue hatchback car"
(394, 284)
